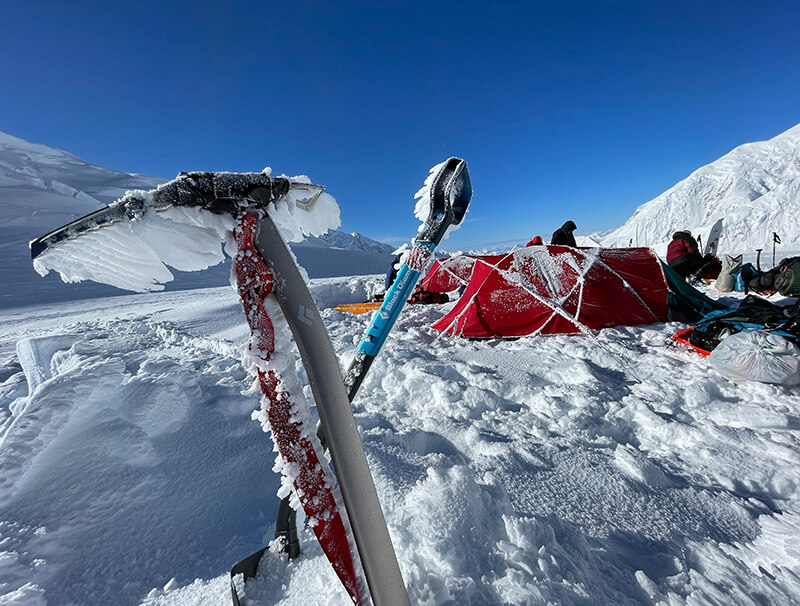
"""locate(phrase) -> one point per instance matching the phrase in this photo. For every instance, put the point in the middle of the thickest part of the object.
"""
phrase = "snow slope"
(42, 188)
(337, 253)
(560, 470)
(755, 189)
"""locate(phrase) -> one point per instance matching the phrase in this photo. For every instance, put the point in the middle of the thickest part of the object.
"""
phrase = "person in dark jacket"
(563, 235)
(683, 254)
(391, 272)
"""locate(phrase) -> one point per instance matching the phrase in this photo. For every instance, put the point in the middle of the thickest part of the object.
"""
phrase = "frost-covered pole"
(443, 202)
(441, 206)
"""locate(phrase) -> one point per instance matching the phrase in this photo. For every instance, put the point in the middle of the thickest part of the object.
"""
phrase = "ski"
(712, 239)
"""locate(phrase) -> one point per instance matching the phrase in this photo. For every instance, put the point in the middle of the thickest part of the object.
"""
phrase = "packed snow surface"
(616, 469)
(528, 471)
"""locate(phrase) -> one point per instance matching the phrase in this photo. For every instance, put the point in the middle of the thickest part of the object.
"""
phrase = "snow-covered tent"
(552, 289)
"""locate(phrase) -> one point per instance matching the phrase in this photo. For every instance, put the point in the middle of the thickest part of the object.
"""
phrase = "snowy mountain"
(355, 241)
(42, 188)
(337, 254)
(754, 189)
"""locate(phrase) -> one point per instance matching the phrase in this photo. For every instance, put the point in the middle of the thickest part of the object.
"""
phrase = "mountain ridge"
(42, 188)
(754, 188)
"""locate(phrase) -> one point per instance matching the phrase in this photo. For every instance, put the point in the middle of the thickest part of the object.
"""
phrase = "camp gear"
(757, 355)
(555, 289)
(426, 297)
(712, 239)
(753, 313)
(765, 281)
(787, 282)
(358, 308)
(727, 275)
(776, 239)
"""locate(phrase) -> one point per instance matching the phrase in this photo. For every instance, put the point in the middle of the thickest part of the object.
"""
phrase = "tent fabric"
(558, 289)
(686, 303)
(447, 275)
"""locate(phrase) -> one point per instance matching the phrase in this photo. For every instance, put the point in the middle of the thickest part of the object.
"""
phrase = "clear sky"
(563, 109)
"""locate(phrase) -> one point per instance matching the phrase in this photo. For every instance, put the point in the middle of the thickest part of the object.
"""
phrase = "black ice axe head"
(219, 193)
(450, 193)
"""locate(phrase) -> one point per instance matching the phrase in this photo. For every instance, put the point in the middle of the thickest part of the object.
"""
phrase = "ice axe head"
(234, 193)
(460, 192)
(450, 193)
(219, 193)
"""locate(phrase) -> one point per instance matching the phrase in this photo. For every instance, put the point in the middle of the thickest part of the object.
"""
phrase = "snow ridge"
(754, 189)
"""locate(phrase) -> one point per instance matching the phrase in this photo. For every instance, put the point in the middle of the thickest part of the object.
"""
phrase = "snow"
(544, 470)
(527, 471)
(754, 189)
(422, 207)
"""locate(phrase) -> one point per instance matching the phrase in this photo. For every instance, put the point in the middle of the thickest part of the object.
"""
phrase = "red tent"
(551, 289)
(447, 275)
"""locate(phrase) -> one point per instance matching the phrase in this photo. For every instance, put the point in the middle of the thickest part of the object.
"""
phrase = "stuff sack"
(744, 276)
(757, 355)
(727, 275)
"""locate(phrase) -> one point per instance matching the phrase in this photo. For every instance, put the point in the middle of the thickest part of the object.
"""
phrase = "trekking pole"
(758, 259)
(776, 239)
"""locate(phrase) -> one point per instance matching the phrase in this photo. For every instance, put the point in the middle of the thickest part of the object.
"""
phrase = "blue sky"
(564, 110)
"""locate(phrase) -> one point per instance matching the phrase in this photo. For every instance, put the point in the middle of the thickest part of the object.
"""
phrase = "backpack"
(426, 297)
(765, 281)
(787, 282)
(753, 313)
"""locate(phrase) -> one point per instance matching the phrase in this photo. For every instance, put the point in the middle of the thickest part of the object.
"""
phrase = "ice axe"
(264, 266)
